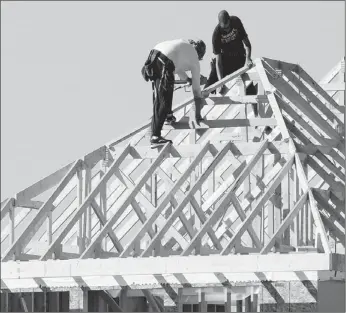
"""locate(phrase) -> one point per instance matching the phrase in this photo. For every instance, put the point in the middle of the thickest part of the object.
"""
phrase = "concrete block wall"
(277, 296)
(34, 301)
(280, 296)
(292, 296)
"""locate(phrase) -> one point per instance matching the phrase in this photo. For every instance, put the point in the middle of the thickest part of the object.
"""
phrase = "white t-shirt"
(185, 58)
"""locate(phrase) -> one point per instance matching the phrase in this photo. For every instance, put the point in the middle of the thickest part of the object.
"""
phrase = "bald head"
(223, 19)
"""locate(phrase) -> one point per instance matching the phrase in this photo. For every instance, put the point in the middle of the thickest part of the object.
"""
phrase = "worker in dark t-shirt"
(231, 47)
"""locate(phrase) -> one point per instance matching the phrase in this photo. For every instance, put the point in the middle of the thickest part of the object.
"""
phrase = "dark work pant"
(162, 104)
(162, 86)
(230, 64)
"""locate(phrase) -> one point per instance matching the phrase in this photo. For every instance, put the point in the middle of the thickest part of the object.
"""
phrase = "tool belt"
(152, 70)
(233, 53)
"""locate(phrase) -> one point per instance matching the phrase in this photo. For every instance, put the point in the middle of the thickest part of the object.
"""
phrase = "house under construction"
(243, 212)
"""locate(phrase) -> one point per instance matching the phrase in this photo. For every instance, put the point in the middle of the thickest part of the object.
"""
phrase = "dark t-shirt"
(224, 42)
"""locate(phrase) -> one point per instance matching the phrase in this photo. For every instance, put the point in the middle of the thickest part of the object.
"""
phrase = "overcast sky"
(70, 71)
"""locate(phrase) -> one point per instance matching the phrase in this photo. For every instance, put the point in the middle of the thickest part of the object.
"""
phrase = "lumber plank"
(315, 213)
(272, 100)
(304, 75)
(287, 221)
(237, 149)
(300, 103)
(221, 123)
(39, 218)
(166, 200)
(264, 198)
(150, 208)
(122, 205)
(44, 184)
(200, 213)
(218, 211)
(86, 203)
(186, 199)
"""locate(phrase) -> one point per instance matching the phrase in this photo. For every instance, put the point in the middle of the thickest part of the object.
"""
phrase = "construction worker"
(164, 60)
(231, 47)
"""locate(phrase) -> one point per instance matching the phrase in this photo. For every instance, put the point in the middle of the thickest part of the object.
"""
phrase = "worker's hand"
(195, 112)
(223, 90)
(249, 62)
(205, 93)
(203, 80)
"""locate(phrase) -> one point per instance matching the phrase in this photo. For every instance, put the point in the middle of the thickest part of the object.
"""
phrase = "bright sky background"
(70, 71)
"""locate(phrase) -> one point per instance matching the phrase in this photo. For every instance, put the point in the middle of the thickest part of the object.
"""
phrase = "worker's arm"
(219, 69)
(183, 76)
(196, 87)
(247, 46)
(216, 41)
(246, 43)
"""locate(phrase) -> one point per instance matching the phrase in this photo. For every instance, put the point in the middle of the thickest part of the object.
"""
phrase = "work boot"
(156, 141)
(170, 119)
(268, 130)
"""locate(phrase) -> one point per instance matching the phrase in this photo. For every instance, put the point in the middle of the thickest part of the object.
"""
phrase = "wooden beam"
(272, 99)
(151, 300)
(300, 103)
(237, 149)
(242, 216)
(218, 211)
(6, 207)
(264, 198)
(226, 79)
(104, 294)
(150, 208)
(333, 86)
(183, 105)
(268, 87)
(86, 203)
(23, 303)
(220, 123)
(199, 212)
(103, 221)
(172, 265)
(317, 218)
(223, 100)
(315, 100)
(124, 204)
(44, 184)
(41, 215)
(287, 221)
(307, 143)
(185, 201)
(317, 87)
(331, 74)
(166, 200)
(253, 194)
(29, 204)
(322, 202)
(336, 186)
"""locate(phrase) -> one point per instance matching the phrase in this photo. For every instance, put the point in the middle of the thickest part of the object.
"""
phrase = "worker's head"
(224, 20)
(200, 47)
